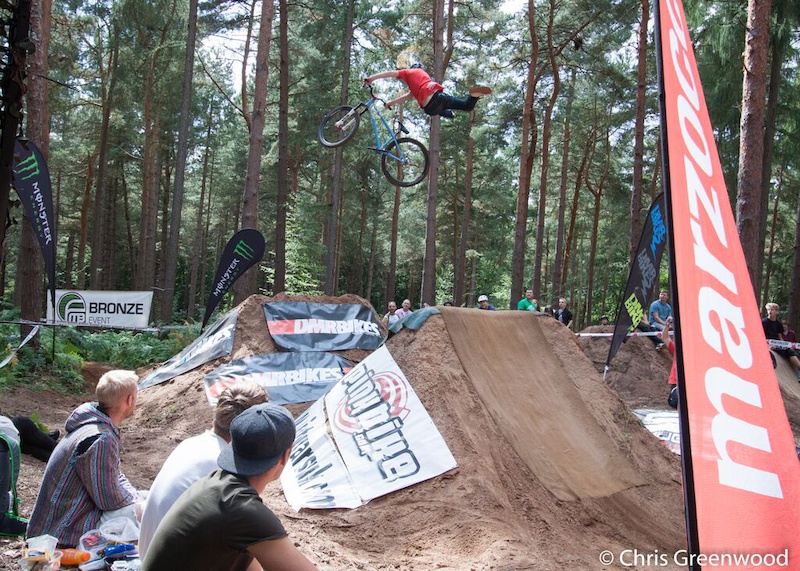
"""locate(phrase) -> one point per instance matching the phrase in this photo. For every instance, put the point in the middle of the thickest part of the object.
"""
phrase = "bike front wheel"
(405, 162)
(338, 126)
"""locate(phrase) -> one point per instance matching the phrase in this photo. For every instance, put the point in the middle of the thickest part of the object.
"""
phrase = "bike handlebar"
(372, 93)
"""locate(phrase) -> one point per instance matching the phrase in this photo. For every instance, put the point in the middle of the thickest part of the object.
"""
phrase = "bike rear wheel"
(406, 162)
(338, 126)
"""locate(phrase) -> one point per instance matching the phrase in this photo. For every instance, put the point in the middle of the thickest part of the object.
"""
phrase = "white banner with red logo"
(386, 439)
(741, 474)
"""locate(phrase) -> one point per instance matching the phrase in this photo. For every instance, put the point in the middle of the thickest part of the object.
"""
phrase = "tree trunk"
(171, 251)
(199, 241)
(771, 249)
(778, 50)
(638, 133)
(751, 138)
(336, 186)
(527, 150)
(557, 285)
(246, 285)
(98, 265)
(282, 205)
(545, 169)
(459, 272)
(597, 194)
(82, 243)
(30, 267)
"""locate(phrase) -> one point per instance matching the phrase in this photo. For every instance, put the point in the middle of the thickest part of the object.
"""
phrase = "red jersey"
(673, 372)
(419, 84)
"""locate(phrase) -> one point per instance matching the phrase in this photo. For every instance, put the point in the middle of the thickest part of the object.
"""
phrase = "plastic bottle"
(74, 556)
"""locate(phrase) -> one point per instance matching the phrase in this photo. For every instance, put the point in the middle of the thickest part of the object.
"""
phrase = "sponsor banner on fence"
(287, 377)
(303, 326)
(386, 438)
(217, 341)
(316, 477)
(741, 479)
(126, 309)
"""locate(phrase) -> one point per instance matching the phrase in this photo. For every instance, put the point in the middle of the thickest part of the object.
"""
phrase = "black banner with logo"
(643, 278)
(287, 377)
(31, 179)
(242, 251)
(303, 326)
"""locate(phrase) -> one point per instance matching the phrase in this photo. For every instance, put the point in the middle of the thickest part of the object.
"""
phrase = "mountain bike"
(404, 161)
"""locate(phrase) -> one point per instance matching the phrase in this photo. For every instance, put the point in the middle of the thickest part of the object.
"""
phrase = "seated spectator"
(773, 329)
(788, 334)
(483, 303)
(195, 457)
(448, 303)
(604, 320)
(405, 310)
(660, 311)
(82, 484)
(33, 440)
(391, 316)
(645, 327)
(10, 522)
(528, 303)
(221, 522)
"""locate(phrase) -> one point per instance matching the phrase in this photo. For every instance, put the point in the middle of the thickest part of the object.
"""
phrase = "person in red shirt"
(672, 382)
(430, 95)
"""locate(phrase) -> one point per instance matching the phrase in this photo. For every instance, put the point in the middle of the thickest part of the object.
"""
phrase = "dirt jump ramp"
(535, 404)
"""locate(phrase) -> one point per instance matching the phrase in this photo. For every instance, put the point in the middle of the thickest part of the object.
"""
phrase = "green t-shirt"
(527, 305)
(211, 526)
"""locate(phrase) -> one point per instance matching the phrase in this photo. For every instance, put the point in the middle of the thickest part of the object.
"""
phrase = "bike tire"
(331, 135)
(413, 170)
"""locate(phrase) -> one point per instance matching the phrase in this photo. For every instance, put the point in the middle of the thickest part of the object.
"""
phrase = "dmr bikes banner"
(741, 478)
(303, 326)
(287, 377)
(244, 249)
(124, 309)
(31, 179)
(386, 439)
(216, 342)
(643, 277)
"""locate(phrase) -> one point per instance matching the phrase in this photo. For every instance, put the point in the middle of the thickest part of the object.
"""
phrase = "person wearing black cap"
(220, 522)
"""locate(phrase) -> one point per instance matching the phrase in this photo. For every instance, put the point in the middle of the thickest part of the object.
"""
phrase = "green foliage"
(56, 363)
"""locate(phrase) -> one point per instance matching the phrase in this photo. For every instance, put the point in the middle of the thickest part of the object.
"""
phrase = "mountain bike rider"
(430, 95)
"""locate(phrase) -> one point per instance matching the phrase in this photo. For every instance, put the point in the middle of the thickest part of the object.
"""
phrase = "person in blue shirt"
(483, 303)
(660, 311)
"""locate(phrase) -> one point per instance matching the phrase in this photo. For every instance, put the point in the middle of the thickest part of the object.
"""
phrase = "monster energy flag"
(242, 251)
(31, 179)
(643, 276)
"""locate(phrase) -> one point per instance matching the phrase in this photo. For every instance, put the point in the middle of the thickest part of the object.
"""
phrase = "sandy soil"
(501, 508)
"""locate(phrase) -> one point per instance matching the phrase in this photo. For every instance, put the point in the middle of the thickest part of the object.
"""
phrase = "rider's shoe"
(447, 114)
(480, 91)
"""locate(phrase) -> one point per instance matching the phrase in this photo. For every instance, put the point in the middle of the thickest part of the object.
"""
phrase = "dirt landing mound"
(492, 512)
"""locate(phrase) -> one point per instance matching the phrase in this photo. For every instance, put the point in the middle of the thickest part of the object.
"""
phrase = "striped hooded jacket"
(82, 479)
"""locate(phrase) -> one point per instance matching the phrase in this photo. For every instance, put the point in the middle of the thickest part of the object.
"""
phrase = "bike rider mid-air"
(430, 95)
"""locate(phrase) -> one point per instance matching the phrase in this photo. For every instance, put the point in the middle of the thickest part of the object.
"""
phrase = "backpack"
(10, 522)
(672, 400)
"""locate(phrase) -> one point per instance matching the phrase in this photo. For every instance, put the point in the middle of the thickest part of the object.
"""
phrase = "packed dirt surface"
(553, 469)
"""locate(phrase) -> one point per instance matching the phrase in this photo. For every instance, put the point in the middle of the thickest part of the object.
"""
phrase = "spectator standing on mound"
(391, 316)
(527, 303)
(773, 329)
(405, 310)
(221, 522)
(430, 95)
(195, 457)
(483, 303)
(563, 314)
(660, 311)
(82, 485)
